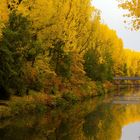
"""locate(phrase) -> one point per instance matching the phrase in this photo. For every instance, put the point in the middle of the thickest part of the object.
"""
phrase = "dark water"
(98, 119)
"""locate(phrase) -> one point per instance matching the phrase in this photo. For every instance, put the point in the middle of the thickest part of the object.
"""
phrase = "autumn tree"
(133, 8)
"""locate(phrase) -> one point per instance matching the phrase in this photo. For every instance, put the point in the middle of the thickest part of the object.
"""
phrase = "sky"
(113, 17)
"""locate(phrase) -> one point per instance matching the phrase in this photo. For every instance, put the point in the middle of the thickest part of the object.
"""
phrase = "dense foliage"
(58, 46)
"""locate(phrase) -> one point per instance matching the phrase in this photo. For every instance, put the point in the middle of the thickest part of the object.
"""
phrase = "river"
(112, 117)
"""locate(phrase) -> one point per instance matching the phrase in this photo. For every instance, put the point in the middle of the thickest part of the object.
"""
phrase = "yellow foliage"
(133, 9)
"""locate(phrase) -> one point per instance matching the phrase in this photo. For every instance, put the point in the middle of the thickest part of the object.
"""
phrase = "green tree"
(96, 70)
(15, 48)
(60, 61)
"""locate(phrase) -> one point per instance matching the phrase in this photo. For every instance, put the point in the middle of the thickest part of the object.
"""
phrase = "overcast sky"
(113, 17)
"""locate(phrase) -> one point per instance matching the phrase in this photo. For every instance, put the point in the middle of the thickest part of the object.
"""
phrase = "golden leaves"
(133, 8)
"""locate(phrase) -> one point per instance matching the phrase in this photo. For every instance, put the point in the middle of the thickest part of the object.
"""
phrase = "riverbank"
(93, 118)
(40, 102)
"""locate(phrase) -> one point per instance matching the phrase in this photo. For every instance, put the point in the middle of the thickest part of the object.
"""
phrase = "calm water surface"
(106, 118)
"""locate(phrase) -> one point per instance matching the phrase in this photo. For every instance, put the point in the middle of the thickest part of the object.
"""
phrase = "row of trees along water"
(55, 45)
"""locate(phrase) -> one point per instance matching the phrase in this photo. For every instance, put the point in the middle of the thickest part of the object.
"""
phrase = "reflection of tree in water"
(63, 131)
(21, 130)
(101, 124)
(56, 125)
(86, 121)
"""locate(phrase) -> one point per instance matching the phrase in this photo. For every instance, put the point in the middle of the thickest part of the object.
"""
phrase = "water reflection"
(131, 132)
(97, 119)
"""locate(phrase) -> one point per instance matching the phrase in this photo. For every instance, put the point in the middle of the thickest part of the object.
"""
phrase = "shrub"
(60, 102)
(100, 88)
(54, 90)
(70, 97)
(41, 108)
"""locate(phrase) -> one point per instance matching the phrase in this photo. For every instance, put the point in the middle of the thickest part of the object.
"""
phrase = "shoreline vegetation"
(54, 53)
(40, 103)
